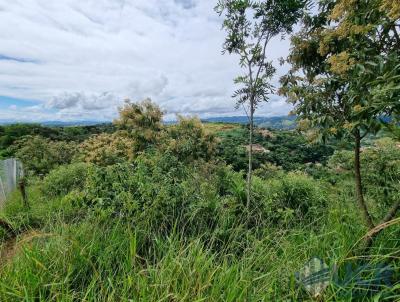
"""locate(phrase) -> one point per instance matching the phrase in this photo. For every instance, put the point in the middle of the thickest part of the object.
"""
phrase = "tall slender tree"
(250, 26)
(345, 74)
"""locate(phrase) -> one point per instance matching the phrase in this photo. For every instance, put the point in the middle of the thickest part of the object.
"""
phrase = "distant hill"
(76, 123)
(56, 123)
(275, 122)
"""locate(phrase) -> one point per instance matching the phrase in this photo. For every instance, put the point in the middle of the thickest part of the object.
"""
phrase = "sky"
(72, 60)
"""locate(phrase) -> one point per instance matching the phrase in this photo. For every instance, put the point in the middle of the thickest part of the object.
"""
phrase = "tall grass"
(66, 254)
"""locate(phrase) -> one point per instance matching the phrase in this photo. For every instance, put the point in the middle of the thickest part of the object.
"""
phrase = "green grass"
(74, 255)
(221, 127)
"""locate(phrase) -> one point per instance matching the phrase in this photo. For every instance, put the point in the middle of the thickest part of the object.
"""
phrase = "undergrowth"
(184, 236)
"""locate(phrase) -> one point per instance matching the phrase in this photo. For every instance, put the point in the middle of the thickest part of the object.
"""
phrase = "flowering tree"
(345, 76)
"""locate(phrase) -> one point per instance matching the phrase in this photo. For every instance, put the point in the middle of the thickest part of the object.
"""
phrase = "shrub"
(64, 179)
(107, 149)
(291, 197)
(380, 169)
(159, 193)
(141, 121)
(40, 155)
(188, 140)
(268, 170)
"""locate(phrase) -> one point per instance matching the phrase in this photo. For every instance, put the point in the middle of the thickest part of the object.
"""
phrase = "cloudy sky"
(79, 59)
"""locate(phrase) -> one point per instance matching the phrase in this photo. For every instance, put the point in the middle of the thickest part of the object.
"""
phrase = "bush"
(188, 140)
(292, 197)
(380, 169)
(142, 121)
(159, 193)
(107, 149)
(41, 155)
(64, 179)
(268, 170)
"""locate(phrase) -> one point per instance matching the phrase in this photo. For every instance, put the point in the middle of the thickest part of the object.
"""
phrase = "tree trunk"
(250, 171)
(358, 180)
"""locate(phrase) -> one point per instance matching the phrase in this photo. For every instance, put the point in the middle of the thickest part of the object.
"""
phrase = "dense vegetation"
(11, 133)
(287, 149)
(169, 220)
(143, 211)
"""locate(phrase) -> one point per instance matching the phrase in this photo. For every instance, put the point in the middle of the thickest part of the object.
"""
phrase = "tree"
(344, 79)
(139, 126)
(108, 149)
(250, 26)
(188, 140)
(142, 121)
(40, 155)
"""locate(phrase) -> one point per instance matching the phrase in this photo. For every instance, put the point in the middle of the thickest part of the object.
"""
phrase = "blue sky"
(78, 60)
(10, 102)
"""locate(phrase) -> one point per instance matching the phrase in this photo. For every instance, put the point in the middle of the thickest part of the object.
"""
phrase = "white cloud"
(82, 58)
(81, 100)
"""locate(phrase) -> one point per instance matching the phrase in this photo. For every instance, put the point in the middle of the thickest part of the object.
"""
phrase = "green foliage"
(12, 133)
(158, 217)
(40, 155)
(381, 170)
(161, 226)
(290, 198)
(65, 179)
(250, 25)
(188, 140)
(231, 148)
(287, 149)
(158, 191)
(142, 121)
(107, 148)
(93, 257)
(344, 79)
(81, 133)
(268, 170)
(345, 68)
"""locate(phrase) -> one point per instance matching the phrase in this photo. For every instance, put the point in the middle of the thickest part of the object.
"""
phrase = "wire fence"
(11, 171)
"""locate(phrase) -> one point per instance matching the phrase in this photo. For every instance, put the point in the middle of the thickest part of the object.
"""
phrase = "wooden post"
(22, 188)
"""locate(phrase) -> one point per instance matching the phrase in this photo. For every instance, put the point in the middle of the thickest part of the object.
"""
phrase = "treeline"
(9, 134)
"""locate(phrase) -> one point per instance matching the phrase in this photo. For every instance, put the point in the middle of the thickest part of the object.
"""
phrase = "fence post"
(15, 170)
(22, 188)
(3, 199)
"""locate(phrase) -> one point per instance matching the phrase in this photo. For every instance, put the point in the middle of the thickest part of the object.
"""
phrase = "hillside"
(107, 197)
(275, 122)
(122, 216)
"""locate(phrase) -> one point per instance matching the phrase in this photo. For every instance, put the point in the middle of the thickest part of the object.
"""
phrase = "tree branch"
(267, 38)
(392, 212)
